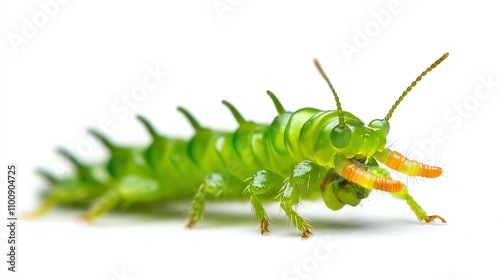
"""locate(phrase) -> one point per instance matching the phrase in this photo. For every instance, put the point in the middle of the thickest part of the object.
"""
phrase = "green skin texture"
(288, 160)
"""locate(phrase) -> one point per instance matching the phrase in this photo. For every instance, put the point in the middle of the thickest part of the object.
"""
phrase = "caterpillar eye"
(340, 136)
(381, 125)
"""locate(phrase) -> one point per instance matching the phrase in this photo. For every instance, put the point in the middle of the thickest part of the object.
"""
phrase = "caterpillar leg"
(306, 176)
(403, 194)
(102, 205)
(130, 189)
(261, 185)
(417, 209)
(215, 183)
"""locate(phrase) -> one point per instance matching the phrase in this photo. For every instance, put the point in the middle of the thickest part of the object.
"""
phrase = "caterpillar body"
(301, 155)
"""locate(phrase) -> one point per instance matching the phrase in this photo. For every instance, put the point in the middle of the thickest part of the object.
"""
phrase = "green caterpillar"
(300, 155)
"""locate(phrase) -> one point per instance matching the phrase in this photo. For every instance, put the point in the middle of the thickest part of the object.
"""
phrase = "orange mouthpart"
(400, 163)
(357, 175)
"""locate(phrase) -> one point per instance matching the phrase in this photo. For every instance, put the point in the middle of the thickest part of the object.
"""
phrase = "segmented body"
(179, 166)
(300, 155)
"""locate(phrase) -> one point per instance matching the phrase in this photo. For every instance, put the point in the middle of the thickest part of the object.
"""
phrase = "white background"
(64, 77)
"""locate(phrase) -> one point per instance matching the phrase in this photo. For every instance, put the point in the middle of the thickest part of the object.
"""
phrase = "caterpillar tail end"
(46, 205)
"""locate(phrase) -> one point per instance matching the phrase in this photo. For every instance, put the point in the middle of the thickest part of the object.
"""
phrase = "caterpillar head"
(359, 140)
(366, 140)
